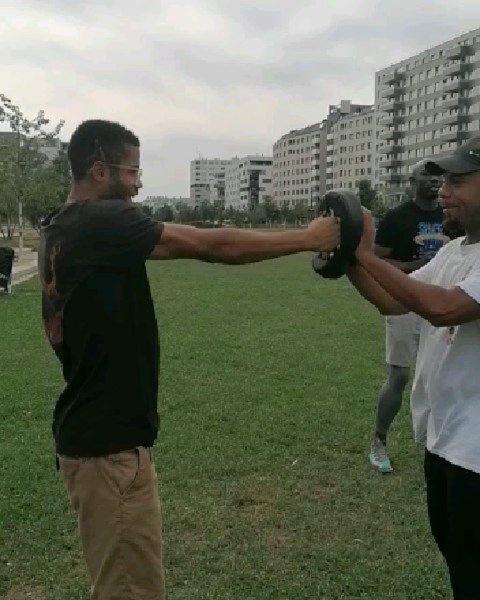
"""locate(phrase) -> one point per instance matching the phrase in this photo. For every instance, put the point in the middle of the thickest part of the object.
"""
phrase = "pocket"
(72, 472)
(68, 466)
(121, 470)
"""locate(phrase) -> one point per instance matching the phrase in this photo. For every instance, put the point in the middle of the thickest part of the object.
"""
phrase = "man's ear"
(99, 171)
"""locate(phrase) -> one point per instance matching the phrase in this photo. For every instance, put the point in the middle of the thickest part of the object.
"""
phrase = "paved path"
(24, 267)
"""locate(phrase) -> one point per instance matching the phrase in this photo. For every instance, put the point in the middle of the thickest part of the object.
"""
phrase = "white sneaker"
(378, 456)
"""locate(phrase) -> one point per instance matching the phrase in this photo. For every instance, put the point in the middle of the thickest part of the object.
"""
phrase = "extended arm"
(239, 246)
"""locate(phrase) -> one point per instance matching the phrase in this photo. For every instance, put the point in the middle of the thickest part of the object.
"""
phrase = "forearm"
(406, 267)
(428, 301)
(239, 246)
(373, 292)
(228, 246)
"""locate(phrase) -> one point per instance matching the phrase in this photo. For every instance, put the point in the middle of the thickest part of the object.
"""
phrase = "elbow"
(438, 316)
(389, 310)
(445, 319)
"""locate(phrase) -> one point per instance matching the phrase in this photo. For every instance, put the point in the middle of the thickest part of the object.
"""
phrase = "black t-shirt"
(99, 318)
(411, 232)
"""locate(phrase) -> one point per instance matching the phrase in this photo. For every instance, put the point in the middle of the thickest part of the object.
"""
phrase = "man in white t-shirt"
(445, 401)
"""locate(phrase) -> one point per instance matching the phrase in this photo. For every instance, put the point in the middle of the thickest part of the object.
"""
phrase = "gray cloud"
(215, 77)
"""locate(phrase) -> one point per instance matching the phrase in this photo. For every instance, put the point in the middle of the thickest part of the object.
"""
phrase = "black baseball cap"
(465, 159)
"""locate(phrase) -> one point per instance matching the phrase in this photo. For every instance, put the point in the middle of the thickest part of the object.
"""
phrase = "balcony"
(458, 68)
(390, 163)
(390, 134)
(392, 106)
(392, 91)
(391, 120)
(456, 86)
(394, 148)
(455, 101)
(457, 52)
(393, 178)
(450, 136)
(455, 119)
(393, 78)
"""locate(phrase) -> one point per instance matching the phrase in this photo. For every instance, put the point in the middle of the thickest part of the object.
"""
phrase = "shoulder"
(452, 248)
(111, 213)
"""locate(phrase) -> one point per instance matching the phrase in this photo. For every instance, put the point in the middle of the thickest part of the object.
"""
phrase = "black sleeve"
(387, 232)
(120, 235)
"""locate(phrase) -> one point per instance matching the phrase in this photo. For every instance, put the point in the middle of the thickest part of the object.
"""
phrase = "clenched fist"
(323, 234)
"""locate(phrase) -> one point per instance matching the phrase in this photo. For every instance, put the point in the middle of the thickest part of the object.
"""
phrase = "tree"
(300, 212)
(271, 210)
(147, 210)
(164, 214)
(366, 194)
(8, 192)
(30, 135)
(45, 187)
(383, 203)
(206, 212)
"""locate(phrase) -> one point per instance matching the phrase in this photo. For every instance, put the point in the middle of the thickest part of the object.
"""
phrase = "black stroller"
(6, 264)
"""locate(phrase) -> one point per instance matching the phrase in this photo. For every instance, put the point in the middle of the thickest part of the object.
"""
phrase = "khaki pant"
(116, 501)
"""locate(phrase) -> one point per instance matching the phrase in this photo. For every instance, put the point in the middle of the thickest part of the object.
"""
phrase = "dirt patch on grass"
(25, 593)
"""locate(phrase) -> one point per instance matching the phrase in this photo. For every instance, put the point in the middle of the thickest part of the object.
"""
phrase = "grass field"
(268, 384)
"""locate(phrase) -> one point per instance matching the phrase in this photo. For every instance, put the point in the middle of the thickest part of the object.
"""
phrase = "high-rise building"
(204, 172)
(426, 105)
(248, 181)
(217, 188)
(295, 164)
(350, 148)
(300, 173)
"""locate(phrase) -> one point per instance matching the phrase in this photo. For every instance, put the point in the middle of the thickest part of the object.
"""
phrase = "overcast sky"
(215, 78)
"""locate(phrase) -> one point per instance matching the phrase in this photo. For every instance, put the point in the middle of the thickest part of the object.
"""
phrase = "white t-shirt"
(445, 401)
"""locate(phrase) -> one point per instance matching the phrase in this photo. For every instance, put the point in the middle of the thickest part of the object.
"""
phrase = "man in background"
(408, 237)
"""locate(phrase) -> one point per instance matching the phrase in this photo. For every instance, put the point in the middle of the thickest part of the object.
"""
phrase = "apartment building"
(300, 173)
(217, 189)
(248, 181)
(426, 105)
(50, 148)
(203, 174)
(295, 162)
(350, 148)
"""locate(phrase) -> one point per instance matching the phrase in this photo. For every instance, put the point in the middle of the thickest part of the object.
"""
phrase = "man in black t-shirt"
(408, 236)
(99, 318)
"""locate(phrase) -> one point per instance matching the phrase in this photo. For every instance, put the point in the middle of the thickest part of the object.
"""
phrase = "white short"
(402, 334)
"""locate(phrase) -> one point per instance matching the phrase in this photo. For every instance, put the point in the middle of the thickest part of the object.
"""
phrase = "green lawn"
(268, 384)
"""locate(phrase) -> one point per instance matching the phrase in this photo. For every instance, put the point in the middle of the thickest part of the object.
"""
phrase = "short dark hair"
(97, 139)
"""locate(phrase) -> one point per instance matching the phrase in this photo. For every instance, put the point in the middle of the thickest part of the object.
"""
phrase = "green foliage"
(45, 188)
(366, 194)
(164, 214)
(25, 173)
(8, 191)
